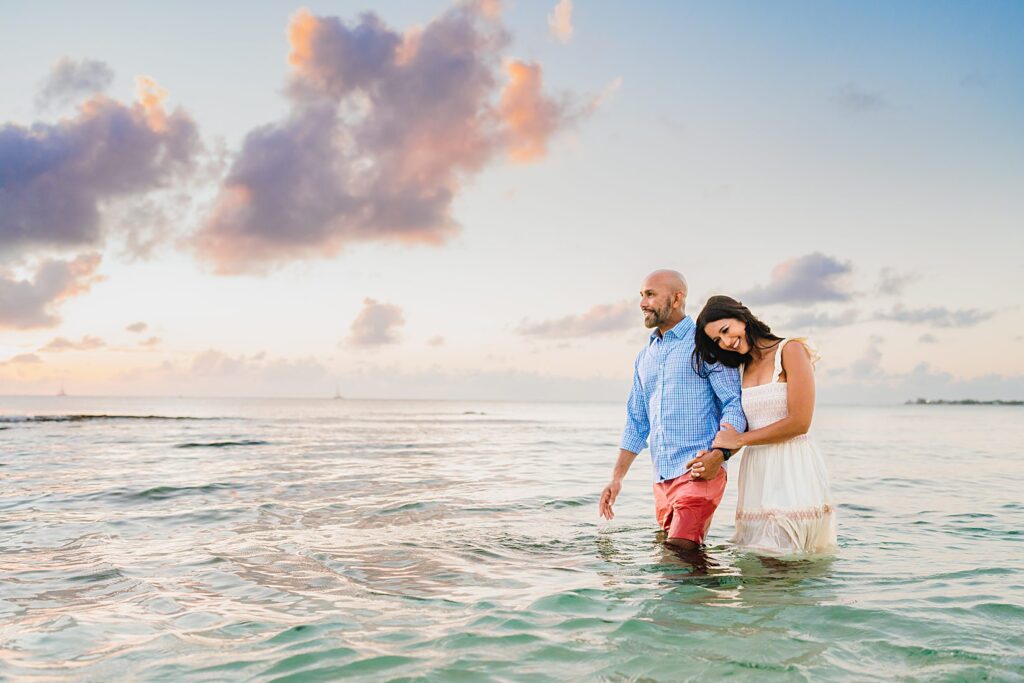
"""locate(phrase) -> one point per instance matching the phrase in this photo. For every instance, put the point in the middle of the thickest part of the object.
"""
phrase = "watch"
(726, 453)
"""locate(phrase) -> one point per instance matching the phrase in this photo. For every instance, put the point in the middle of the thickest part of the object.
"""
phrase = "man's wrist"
(721, 452)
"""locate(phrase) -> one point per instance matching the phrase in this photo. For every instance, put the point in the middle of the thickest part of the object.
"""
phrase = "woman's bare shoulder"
(799, 350)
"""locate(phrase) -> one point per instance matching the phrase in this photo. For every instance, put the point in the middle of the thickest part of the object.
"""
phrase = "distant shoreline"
(962, 402)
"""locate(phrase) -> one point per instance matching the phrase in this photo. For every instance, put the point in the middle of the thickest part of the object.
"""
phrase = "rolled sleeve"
(726, 384)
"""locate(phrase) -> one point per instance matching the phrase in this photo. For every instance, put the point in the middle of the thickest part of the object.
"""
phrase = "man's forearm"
(622, 465)
(736, 418)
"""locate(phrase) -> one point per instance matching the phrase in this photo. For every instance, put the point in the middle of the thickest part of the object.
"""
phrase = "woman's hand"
(728, 438)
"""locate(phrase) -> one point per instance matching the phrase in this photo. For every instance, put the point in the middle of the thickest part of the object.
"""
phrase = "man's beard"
(657, 316)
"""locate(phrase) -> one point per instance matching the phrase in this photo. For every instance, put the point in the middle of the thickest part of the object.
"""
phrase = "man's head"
(663, 299)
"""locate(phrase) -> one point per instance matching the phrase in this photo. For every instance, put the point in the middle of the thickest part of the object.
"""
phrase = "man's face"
(656, 303)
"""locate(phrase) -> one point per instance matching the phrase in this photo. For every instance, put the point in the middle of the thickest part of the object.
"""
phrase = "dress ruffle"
(801, 514)
(787, 532)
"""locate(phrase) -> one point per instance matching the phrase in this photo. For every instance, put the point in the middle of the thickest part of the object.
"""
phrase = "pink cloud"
(23, 359)
(599, 319)
(87, 343)
(377, 324)
(384, 130)
(530, 117)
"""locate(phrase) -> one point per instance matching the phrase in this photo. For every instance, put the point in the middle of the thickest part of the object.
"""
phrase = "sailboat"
(62, 392)
(337, 396)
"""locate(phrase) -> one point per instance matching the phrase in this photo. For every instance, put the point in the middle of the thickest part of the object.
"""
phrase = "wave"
(84, 418)
(571, 502)
(160, 492)
(222, 444)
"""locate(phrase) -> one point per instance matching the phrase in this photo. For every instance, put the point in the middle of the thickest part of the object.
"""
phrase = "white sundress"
(785, 503)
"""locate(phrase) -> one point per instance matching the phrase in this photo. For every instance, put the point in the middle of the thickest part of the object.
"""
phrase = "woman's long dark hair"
(707, 352)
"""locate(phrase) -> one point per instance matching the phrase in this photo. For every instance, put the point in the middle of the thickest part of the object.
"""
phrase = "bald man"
(678, 412)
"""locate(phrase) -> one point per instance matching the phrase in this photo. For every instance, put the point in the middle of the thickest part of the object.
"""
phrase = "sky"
(461, 200)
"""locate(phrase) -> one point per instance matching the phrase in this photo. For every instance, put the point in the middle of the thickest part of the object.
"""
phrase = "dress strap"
(778, 361)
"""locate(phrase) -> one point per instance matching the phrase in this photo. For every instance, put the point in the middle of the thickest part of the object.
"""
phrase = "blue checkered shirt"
(675, 408)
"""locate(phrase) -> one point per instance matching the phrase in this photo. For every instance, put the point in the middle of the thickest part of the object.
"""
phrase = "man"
(679, 413)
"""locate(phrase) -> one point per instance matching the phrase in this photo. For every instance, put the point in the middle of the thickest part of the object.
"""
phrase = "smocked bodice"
(765, 404)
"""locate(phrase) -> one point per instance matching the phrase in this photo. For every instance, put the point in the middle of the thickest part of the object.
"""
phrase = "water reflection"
(690, 562)
(716, 574)
(793, 581)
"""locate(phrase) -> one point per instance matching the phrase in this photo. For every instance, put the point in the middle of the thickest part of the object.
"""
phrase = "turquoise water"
(317, 540)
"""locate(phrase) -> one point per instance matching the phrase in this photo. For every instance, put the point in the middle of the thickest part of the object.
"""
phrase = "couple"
(701, 391)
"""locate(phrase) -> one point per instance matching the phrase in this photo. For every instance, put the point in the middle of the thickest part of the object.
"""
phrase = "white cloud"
(560, 21)
(893, 283)
(69, 80)
(810, 320)
(856, 100)
(938, 316)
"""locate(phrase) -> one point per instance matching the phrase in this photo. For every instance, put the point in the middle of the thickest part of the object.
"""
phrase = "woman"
(784, 506)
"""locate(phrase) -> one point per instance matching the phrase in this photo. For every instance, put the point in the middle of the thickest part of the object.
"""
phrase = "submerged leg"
(689, 553)
(682, 543)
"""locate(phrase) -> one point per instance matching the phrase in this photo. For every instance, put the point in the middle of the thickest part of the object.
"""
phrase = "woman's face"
(730, 334)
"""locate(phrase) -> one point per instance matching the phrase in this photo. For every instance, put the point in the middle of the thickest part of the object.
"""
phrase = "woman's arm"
(796, 361)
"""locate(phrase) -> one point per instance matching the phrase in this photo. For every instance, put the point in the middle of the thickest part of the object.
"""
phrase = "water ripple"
(428, 541)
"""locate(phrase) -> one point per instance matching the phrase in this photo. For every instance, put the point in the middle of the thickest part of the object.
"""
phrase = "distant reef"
(962, 402)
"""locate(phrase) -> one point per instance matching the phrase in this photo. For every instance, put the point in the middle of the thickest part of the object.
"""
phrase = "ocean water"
(223, 540)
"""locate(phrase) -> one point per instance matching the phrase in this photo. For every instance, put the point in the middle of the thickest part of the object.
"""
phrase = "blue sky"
(876, 149)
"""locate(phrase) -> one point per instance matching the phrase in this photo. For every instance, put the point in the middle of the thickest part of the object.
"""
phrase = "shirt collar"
(683, 327)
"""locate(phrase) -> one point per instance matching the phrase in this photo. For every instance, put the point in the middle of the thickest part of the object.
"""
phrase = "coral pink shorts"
(684, 506)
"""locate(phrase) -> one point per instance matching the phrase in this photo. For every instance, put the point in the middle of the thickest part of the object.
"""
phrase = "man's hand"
(608, 496)
(706, 465)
